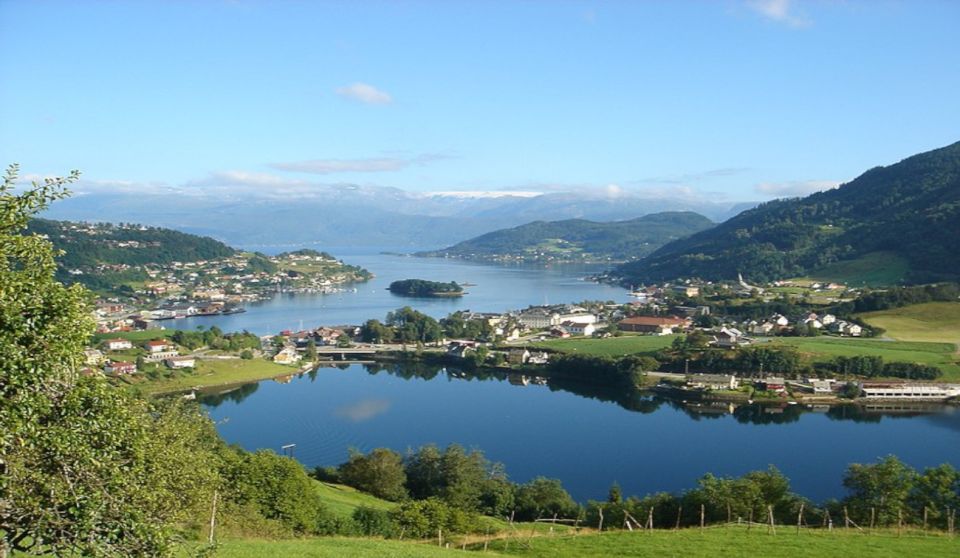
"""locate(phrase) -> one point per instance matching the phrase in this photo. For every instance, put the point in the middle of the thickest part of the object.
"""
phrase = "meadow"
(818, 349)
(210, 373)
(715, 542)
(930, 321)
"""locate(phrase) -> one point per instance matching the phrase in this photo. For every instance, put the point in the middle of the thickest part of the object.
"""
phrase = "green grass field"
(871, 270)
(134, 336)
(217, 373)
(687, 543)
(343, 500)
(610, 346)
(932, 321)
(941, 355)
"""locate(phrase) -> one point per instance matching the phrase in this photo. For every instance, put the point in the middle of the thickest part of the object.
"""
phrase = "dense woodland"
(579, 239)
(910, 209)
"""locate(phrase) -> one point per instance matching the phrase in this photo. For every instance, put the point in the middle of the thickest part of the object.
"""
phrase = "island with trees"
(424, 288)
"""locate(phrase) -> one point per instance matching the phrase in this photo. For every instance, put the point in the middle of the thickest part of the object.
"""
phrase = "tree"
(85, 468)
(380, 473)
(544, 497)
(883, 486)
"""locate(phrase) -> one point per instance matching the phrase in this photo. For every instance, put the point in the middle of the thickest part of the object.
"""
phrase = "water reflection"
(363, 410)
(634, 400)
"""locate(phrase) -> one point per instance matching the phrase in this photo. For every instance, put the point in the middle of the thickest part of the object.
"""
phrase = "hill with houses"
(579, 239)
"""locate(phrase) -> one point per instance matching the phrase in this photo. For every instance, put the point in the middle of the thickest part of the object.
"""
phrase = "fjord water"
(584, 438)
(491, 288)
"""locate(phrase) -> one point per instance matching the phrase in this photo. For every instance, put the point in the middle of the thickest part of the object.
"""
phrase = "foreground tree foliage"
(89, 469)
(79, 473)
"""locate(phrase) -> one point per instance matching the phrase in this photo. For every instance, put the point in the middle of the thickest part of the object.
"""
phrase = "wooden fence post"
(703, 513)
(773, 527)
(800, 517)
(600, 526)
(899, 521)
(873, 516)
(679, 511)
(213, 515)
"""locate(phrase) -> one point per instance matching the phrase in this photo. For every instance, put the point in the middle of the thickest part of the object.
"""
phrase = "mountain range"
(905, 215)
(360, 217)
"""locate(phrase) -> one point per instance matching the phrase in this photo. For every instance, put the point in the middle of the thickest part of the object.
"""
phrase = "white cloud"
(780, 11)
(795, 187)
(370, 164)
(365, 93)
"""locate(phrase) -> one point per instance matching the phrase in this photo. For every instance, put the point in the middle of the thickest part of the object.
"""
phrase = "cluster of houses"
(778, 323)
(210, 287)
(295, 344)
(154, 351)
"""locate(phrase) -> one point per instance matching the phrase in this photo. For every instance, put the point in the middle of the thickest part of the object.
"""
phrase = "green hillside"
(910, 209)
(579, 239)
(931, 321)
(87, 245)
(106, 257)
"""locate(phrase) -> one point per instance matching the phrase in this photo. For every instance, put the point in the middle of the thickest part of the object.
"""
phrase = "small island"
(424, 288)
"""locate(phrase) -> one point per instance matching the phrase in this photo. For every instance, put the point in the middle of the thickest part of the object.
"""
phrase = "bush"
(425, 518)
(370, 522)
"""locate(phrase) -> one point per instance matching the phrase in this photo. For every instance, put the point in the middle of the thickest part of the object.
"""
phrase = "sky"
(727, 99)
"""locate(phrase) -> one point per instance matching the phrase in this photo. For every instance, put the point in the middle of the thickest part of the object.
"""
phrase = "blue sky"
(735, 100)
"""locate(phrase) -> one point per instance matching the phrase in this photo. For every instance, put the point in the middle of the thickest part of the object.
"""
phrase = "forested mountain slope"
(910, 209)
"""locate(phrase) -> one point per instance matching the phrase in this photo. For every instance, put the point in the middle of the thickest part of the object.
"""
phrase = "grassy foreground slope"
(931, 321)
(688, 543)
(342, 500)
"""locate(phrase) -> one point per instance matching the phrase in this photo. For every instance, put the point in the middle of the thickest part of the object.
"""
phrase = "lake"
(492, 288)
(586, 438)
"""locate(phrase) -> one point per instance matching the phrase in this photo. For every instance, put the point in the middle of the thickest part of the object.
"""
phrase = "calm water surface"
(585, 439)
(494, 288)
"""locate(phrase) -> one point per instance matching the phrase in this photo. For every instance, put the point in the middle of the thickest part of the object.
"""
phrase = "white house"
(288, 355)
(780, 320)
(713, 381)
(576, 328)
(118, 344)
(92, 357)
(180, 362)
(157, 346)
